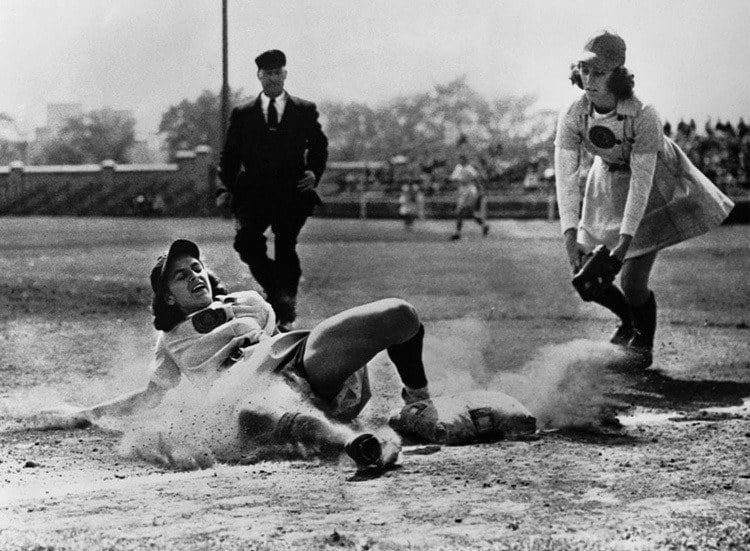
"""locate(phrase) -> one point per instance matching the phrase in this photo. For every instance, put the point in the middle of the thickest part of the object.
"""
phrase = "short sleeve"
(648, 133)
(166, 374)
(569, 134)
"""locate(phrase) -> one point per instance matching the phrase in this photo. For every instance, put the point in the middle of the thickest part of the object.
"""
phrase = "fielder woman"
(227, 345)
(642, 192)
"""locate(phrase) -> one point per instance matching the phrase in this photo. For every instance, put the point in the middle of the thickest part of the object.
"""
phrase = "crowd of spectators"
(721, 152)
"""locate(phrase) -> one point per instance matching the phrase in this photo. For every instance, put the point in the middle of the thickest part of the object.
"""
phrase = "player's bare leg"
(342, 344)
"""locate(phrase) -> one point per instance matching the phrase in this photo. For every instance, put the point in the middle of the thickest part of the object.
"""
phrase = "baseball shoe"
(455, 237)
(365, 450)
(622, 335)
(485, 230)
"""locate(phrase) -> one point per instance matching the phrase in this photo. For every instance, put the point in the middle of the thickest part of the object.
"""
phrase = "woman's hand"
(64, 418)
(622, 247)
(574, 249)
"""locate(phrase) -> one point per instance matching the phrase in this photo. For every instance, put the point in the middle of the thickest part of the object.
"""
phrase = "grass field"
(75, 325)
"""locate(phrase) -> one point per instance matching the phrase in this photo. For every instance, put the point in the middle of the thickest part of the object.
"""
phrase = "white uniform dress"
(466, 177)
(202, 347)
(641, 183)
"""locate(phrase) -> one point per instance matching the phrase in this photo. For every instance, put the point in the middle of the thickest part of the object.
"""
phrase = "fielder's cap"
(180, 247)
(604, 51)
(271, 59)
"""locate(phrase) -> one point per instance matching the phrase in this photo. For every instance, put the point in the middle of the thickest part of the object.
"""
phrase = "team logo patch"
(602, 137)
(207, 320)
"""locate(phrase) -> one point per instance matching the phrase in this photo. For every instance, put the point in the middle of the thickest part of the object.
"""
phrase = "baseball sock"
(613, 299)
(407, 357)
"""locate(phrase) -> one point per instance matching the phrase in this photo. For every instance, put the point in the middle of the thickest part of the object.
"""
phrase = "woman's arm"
(648, 141)
(70, 417)
(642, 167)
(569, 200)
(128, 404)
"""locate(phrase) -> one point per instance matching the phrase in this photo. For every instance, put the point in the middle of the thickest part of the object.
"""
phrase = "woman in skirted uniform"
(642, 192)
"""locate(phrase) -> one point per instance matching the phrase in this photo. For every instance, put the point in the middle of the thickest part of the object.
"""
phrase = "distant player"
(409, 204)
(470, 198)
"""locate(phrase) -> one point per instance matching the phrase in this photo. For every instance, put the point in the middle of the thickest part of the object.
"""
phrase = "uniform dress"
(468, 191)
(229, 353)
(659, 203)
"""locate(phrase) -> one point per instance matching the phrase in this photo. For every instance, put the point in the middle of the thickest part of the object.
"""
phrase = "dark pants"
(279, 276)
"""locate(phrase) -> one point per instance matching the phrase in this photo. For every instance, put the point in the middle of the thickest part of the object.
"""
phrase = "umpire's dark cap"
(180, 247)
(272, 59)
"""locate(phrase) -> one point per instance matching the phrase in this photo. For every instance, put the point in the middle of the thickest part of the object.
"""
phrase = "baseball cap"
(604, 51)
(178, 247)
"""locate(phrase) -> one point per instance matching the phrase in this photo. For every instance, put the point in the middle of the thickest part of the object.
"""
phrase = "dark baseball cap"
(604, 51)
(180, 247)
(271, 59)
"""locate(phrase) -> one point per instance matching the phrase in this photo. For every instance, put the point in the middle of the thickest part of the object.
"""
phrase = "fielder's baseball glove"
(598, 271)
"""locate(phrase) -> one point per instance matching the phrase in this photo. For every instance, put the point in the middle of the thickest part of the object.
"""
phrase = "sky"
(690, 57)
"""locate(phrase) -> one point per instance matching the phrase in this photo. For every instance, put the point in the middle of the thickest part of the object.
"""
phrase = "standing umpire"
(274, 155)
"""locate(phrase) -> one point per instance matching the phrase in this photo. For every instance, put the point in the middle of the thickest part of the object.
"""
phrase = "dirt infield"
(75, 327)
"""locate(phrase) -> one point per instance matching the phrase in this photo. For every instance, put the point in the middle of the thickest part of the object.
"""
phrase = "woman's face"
(188, 285)
(595, 84)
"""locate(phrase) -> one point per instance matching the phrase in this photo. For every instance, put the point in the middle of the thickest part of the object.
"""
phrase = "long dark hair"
(621, 82)
(167, 316)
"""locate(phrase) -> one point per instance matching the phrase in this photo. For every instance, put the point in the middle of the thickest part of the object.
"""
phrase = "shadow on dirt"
(652, 388)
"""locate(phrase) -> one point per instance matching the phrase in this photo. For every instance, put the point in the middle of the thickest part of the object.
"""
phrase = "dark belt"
(618, 167)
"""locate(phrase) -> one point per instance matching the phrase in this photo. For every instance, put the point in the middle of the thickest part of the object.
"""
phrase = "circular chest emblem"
(207, 320)
(602, 137)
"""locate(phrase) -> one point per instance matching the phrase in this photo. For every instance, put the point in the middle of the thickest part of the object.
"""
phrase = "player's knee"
(402, 318)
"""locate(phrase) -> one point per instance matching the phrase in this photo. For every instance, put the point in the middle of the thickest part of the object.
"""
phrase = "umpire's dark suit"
(261, 167)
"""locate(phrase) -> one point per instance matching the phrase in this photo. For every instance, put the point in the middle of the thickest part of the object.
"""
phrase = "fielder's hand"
(576, 253)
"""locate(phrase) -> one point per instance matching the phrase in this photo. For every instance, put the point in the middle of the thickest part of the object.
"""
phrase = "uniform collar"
(628, 107)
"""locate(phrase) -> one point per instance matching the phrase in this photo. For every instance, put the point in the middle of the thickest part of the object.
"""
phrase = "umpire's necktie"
(273, 116)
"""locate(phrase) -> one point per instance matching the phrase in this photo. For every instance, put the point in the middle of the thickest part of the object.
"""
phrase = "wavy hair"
(167, 316)
(621, 82)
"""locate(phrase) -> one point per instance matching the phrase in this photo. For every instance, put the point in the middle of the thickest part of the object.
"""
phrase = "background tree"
(91, 138)
(438, 124)
(12, 143)
(191, 123)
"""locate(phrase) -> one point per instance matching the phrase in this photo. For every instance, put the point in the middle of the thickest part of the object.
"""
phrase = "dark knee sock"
(407, 357)
(613, 299)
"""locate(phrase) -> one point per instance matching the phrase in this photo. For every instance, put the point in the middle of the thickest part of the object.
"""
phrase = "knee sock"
(407, 357)
(613, 299)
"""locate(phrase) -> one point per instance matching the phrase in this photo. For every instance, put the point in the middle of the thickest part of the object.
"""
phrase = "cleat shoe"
(455, 237)
(485, 230)
(622, 335)
(365, 450)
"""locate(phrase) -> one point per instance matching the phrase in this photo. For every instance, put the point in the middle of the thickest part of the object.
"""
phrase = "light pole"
(225, 71)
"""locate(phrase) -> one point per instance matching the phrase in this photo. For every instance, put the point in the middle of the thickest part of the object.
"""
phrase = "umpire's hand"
(307, 183)
(224, 200)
